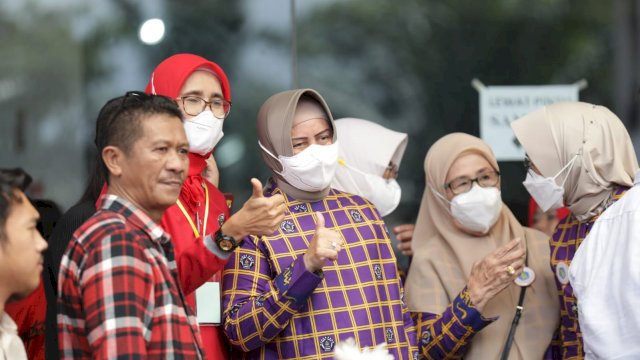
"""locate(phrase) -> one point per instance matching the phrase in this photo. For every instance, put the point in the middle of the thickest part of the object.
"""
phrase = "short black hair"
(118, 123)
(49, 214)
(12, 181)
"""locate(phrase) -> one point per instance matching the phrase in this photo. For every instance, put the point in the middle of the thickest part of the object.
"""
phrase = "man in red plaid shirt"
(119, 295)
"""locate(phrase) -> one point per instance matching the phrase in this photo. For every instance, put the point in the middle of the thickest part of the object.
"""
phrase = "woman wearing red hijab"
(203, 232)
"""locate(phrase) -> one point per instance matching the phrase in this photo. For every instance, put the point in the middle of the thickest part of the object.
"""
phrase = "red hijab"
(167, 79)
(169, 76)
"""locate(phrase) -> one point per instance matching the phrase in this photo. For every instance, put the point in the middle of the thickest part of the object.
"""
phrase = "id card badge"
(208, 303)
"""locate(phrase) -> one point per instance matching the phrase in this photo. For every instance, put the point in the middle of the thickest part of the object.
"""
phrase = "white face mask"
(203, 132)
(312, 169)
(384, 194)
(478, 209)
(544, 190)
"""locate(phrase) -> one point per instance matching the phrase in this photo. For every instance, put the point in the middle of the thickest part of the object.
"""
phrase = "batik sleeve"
(259, 304)
(410, 328)
(448, 335)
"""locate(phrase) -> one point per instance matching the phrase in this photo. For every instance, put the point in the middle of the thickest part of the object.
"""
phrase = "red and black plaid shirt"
(118, 291)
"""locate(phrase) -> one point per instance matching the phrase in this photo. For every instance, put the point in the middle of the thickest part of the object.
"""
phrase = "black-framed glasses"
(130, 98)
(132, 101)
(486, 178)
(194, 105)
(527, 163)
(391, 171)
(137, 95)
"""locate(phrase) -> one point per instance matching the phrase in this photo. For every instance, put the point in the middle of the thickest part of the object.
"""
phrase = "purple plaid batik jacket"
(275, 309)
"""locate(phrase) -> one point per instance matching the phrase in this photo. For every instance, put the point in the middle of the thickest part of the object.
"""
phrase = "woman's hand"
(325, 245)
(495, 272)
(404, 234)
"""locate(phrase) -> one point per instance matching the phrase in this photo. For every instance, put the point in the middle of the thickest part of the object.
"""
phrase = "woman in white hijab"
(466, 278)
(581, 154)
(369, 160)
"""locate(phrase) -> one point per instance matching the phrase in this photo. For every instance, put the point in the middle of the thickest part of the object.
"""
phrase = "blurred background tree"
(406, 64)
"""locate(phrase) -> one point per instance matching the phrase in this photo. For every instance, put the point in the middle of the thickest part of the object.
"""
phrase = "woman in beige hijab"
(469, 252)
(582, 154)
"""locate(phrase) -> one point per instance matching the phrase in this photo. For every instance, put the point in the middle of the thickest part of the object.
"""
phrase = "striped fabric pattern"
(275, 308)
(118, 291)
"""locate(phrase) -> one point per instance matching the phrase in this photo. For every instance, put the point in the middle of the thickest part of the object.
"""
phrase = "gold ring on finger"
(510, 270)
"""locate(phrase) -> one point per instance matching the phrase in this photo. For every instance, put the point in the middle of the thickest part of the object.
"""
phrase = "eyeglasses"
(194, 105)
(138, 95)
(391, 171)
(130, 104)
(130, 98)
(527, 163)
(486, 178)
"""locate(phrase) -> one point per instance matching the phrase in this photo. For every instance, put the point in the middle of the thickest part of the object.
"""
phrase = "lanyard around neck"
(516, 317)
(206, 213)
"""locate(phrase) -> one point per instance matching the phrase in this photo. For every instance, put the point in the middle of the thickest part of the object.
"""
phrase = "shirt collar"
(136, 216)
(7, 324)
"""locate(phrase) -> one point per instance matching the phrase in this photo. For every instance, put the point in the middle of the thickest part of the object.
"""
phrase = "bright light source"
(151, 31)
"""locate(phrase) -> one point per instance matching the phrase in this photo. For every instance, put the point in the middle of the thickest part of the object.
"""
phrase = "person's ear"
(113, 158)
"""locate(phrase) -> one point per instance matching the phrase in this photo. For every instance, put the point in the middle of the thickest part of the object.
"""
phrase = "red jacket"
(195, 256)
(29, 314)
(198, 259)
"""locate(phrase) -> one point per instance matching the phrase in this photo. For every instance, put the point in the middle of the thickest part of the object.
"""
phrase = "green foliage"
(208, 28)
(408, 64)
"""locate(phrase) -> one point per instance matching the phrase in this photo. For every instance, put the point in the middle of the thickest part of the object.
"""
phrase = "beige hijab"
(554, 134)
(443, 256)
(275, 120)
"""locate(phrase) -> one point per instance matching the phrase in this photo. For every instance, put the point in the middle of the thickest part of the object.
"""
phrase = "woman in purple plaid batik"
(328, 273)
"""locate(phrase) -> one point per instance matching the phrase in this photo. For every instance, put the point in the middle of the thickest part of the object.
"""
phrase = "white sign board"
(500, 105)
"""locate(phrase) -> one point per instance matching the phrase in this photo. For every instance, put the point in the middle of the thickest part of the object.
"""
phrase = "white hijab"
(366, 149)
